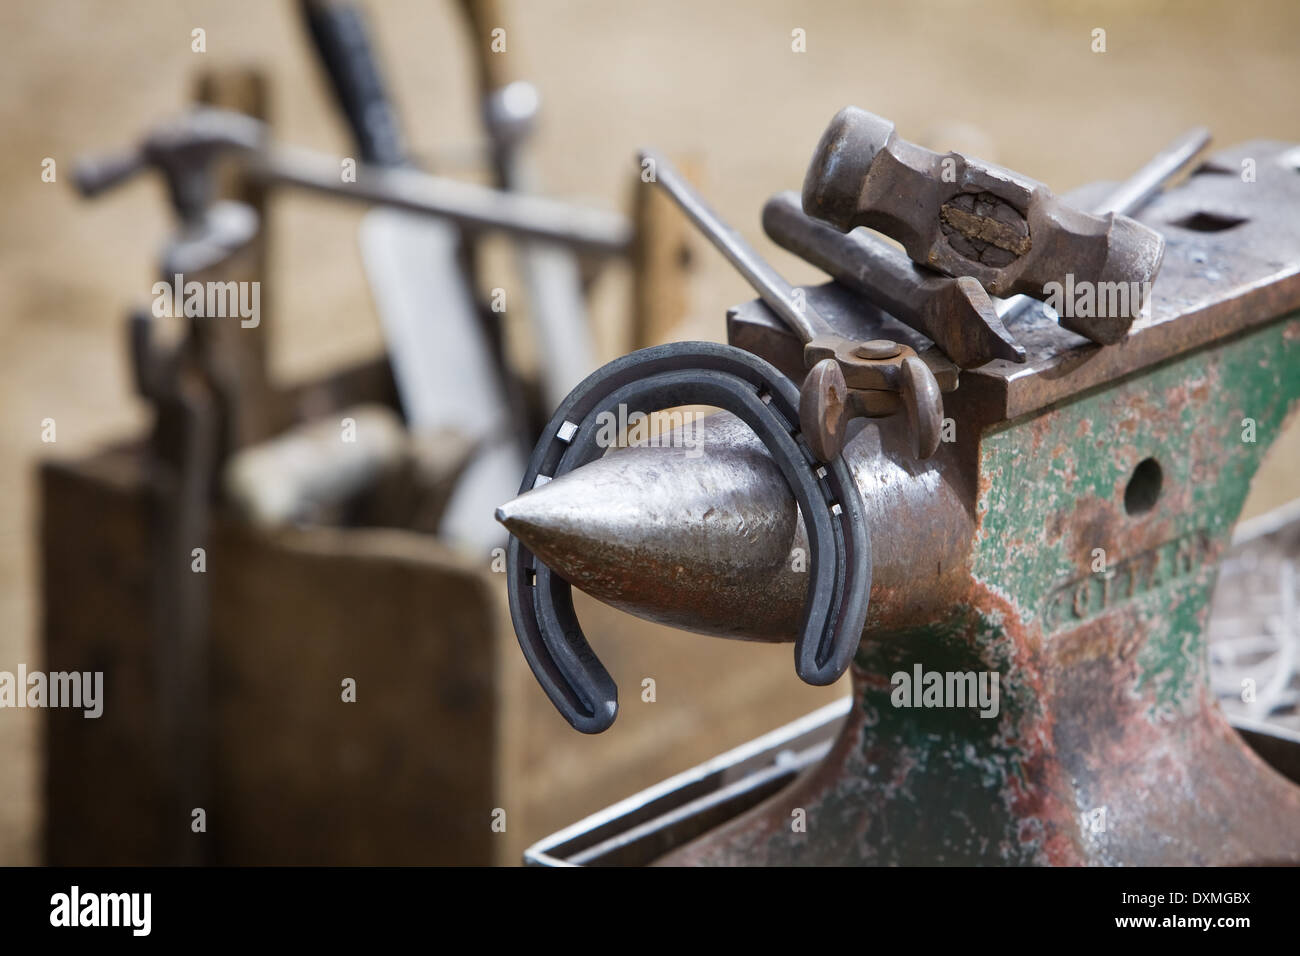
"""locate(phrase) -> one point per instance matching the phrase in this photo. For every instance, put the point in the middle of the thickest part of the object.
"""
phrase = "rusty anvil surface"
(1108, 746)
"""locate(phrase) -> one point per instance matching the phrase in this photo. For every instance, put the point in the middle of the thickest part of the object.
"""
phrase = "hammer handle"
(342, 41)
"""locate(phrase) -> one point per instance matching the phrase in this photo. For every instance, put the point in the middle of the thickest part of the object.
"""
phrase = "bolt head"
(877, 349)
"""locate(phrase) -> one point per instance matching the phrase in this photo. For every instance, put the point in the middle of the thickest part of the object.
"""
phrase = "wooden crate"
(448, 725)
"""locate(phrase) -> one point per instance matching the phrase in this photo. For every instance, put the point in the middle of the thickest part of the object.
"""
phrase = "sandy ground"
(1016, 82)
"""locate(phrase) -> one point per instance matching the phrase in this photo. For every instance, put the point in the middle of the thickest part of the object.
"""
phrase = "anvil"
(1065, 539)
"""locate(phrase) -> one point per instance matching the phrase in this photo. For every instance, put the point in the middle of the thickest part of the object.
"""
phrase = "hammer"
(964, 217)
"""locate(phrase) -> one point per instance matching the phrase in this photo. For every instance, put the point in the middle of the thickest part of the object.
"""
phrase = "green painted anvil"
(1065, 540)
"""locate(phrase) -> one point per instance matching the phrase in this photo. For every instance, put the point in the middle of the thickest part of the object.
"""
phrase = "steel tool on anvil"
(957, 314)
(965, 217)
(1065, 542)
(847, 378)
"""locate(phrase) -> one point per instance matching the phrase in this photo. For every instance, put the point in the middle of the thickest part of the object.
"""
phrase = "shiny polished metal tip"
(706, 536)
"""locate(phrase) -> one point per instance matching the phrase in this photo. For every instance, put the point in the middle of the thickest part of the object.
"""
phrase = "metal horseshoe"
(666, 376)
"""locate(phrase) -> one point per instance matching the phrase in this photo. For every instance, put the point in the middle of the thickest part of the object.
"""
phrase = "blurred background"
(713, 83)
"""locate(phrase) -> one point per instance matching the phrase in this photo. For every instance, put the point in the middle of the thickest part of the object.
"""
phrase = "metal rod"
(767, 282)
(471, 206)
(1130, 196)
(1139, 189)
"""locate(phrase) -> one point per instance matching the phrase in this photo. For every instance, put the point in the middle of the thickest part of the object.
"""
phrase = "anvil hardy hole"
(1208, 222)
(1144, 487)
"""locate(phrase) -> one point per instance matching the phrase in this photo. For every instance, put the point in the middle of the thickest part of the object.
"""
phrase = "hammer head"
(844, 154)
(964, 217)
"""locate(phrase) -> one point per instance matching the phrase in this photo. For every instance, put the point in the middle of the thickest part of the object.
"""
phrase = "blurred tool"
(350, 565)
(194, 384)
(380, 475)
(448, 369)
(847, 379)
(556, 299)
(199, 134)
(307, 469)
(477, 209)
(186, 148)
(1254, 631)
(964, 217)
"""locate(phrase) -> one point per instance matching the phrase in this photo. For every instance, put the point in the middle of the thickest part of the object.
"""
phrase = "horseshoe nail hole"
(1208, 222)
(1144, 487)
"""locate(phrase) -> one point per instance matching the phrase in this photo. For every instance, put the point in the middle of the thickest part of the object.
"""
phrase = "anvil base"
(653, 823)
